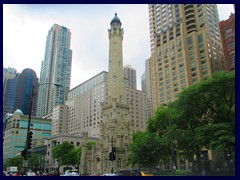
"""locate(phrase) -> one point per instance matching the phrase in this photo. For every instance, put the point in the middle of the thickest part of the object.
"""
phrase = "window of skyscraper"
(182, 76)
(191, 53)
(202, 25)
(192, 64)
(189, 40)
(194, 80)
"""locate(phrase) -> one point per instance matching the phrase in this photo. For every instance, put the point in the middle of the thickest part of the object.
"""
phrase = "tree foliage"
(76, 153)
(34, 161)
(208, 108)
(144, 151)
(67, 154)
(203, 115)
(90, 144)
(15, 161)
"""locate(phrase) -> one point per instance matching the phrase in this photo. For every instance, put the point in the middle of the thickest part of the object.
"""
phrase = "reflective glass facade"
(55, 70)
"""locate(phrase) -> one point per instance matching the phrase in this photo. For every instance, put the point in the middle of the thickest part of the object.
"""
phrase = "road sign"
(25, 163)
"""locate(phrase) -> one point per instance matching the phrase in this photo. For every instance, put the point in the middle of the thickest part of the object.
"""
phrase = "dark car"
(129, 172)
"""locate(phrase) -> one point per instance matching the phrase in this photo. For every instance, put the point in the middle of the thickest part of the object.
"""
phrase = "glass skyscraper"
(26, 80)
(18, 91)
(55, 71)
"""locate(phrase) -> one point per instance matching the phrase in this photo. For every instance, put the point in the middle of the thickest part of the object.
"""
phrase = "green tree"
(34, 161)
(144, 150)
(161, 125)
(210, 105)
(90, 144)
(203, 115)
(64, 153)
(76, 154)
(15, 161)
(67, 154)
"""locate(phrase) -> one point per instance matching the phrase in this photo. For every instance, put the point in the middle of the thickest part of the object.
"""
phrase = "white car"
(109, 174)
(70, 174)
(31, 174)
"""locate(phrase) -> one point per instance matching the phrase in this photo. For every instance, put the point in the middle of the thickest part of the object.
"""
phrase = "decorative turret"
(116, 22)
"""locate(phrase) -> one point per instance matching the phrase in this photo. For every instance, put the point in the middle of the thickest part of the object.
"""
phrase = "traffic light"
(113, 157)
(110, 156)
(23, 153)
(29, 140)
(174, 153)
(113, 149)
(113, 153)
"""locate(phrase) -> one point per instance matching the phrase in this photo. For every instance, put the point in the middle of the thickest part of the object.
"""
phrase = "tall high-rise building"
(130, 75)
(9, 89)
(146, 87)
(227, 31)
(55, 70)
(8, 73)
(185, 47)
(18, 92)
(143, 82)
(26, 80)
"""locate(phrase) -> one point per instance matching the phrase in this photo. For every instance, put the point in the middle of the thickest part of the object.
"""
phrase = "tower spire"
(115, 74)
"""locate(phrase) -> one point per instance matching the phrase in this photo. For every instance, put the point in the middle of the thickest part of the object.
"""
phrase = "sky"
(25, 28)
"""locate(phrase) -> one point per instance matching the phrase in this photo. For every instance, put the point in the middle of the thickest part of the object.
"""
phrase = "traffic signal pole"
(25, 151)
(28, 141)
(29, 121)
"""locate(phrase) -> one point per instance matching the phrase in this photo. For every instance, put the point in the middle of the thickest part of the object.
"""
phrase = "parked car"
(129, 172)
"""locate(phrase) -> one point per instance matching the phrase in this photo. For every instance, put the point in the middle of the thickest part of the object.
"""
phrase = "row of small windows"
(34, 125)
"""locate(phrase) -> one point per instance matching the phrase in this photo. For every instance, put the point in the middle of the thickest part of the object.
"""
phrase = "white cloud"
(25, 29)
